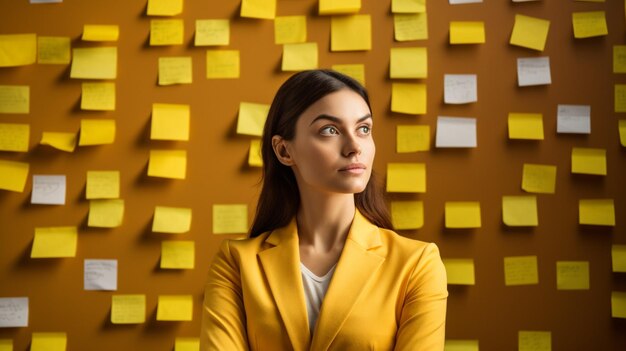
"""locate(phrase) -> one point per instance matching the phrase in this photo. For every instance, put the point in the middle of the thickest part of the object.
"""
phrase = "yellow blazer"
(387, 292)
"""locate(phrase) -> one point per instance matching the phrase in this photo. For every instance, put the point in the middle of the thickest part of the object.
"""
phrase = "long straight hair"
(280, 198)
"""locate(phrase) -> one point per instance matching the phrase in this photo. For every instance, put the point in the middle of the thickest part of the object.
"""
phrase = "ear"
(281, 151)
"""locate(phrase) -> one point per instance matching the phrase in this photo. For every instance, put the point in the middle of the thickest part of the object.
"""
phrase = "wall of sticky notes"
(129, 149)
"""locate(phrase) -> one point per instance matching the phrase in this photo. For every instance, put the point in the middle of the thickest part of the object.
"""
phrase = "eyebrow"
(338, 120)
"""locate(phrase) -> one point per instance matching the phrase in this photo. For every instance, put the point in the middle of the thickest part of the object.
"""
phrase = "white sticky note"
(458, 2)
(48, 190)
(533, 71)
(574, 119)
(456, 132)
(13, 312)
(45, 1)
(460, 88)
(100, 275)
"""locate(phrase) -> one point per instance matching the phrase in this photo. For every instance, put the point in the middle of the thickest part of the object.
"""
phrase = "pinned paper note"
(351, 33)
(13, 312)
(408, 63)
(6, 344)
(14, 137)
(48, 342)
(530, 32)
(290, 29)
(100, 275)
(589, 161)
(620, 97)
(168, 164)
(299, 57)
(460, 271)
(533, 71)
(520, 270)
(336, 7)
(174, 220)
(53, 50)
(164, 7)
(406, 177)
(97, 32)
(222, 64)
(60, 141)
(621, 126)
(170, 122)
(408, 6)
(408, 98)
(618, 258)
(618, 304)
(187, 344)
(460, 88)
(255, 158)
(596, 212)
(461, 345)
(48, 190)
(526, 126)
(413, 138)
(106, 213)
(456, 132)
(356, 71)
(54, 242)
(94, 63)
(98, 96)
(574, 119)
(14, 99)
(175, 308)
(539, 178)
(251, 118)
(410, 26)
(103, 185)
(212, 32)
(519, 211)
(459, 2)
(534, 341)
(18, 49)
(166, 32)
(175, 70)
(467, 32)
(230, 219)
(263, 9)
(177, 254)
(589, 24)
(407, 214)
(13, 175)
(572, 275)
(462, 214)
(619, 58)
(128, 309)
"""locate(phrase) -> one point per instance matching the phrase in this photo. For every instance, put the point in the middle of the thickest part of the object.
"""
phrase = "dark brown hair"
(280, 199)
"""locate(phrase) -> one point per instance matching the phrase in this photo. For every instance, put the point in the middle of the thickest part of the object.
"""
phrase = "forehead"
(344, 104)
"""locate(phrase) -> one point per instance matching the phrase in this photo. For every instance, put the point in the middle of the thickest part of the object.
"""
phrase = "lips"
(353, 167)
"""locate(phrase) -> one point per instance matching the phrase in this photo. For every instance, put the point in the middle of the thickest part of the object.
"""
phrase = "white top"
(314, 290)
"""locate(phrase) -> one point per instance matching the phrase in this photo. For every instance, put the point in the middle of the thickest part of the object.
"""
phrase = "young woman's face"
(333, 149)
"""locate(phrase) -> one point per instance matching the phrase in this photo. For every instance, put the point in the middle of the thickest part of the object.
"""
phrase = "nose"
(351, 147)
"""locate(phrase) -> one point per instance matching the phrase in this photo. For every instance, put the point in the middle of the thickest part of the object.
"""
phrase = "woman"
(320, 216)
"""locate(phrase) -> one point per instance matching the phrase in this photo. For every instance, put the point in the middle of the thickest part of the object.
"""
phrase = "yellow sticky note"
(187, 344)
(94, 63)
(53, 50)
(264, 9)
(589, 161)
(589, 24)
(408, 63)
(96, 32)
(520, 270)
(572, 275)
(251, 119)
(408, 98)
(102, 185)
(48, 342)
(175, 308)
(618, 258)
(620, 97)
(164, 7)
(168, 164)
(254, 154)
(526, 126)
(460, 345)
(98, 96)
(177, 254)
(212, 32)
(14, 137)
(14, 99)
(170, 122)
(618, 304)
(356, 71)
(289, 29)
(175, 70)
(174, 220)
(18, 49)
(230, 219)
(534, 341)
(408, 6)
(351, 33)
(462, 214)
(467, 32)
(61, 141)
(166, 32)
(410, 26)
(6, 345)
(335, 7)
(106, 213)
(619, 58)
(539, 178)
(96, 132)
(530, 32)
(406, 177)
(54, 242)
(413, 138)
(13, 175)
(622, 131)
(128, 309)
(460, 271)
(407, 214)
(222, 64)
(299, 56)
(519, 211)
(596, 212)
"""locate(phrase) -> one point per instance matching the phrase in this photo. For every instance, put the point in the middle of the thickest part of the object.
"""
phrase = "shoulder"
(399, 245)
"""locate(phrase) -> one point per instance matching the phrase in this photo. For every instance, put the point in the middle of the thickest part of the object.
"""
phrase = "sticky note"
(530, 32)
(467, 32)
(222, 64)
(187, 344)
(212, 32)
(460, 271)
(53, 50)
(533, 71)
(175, 220)
(534, 341)
(251, 118)
(98, 96)
(14, 99)
(54, 242)
(166, 32)
(100, 275)
(456, 132)
(622, 131)
(48, 190)
(13, 175)
(175, 70)
(589, 161)
(106, 213)
(461, 345)
(60, 141)
(575, 119)
(619, 58)
(413, 138)
(254, 154)
(14, 137)
(351, 33)
(408, 63)
(94, 63)
(620, 98)
(525, 126)
(170, 122)
(406, 177)
(589, 24)
(539, 178)
(13, 313)
(410, 26)
(177, 254)
(289, 29)
(356, 71)
(18, 49)
(519, 211)
(408, 98)
(618, 258)
(164, 7)
(168, 164)
(460, 88)
(618, 304)
(462, 214)
(264, 9)
(520, 270)
(407, 214)
(572, 275)
(96, 132)
(175, 308)
(335, 7)
(103, 185)
(408, 6)
(230, 219)
(48, 342)
(596, 212)
(128, 309)
(97, 32)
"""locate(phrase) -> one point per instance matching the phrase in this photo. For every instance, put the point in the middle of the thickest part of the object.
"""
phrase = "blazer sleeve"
(223, 316)
(423, 317)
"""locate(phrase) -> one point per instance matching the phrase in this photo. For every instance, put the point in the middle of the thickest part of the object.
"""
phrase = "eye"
(329, 130)
(365, 130)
